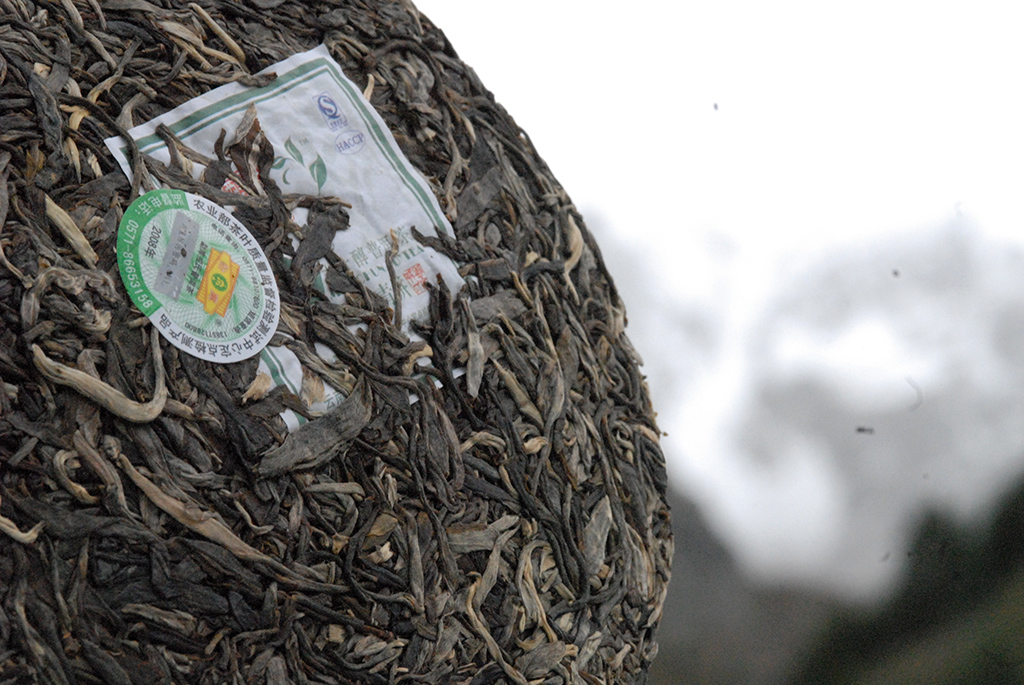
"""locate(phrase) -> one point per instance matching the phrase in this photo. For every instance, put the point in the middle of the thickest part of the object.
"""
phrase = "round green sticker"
(199, 275)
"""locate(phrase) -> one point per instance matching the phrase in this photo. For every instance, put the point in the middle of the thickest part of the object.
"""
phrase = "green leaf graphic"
(319, 171)
(293, 151)
(279, 162)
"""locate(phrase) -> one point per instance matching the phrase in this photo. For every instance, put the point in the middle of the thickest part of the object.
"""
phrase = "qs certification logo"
(218, 283)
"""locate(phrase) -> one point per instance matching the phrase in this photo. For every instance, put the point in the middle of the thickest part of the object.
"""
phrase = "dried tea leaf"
(540, 661)
(319, 440)
(259, 387)
(595, 535)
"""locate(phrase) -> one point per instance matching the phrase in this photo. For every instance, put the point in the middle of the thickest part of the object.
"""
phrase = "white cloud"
(837, 126)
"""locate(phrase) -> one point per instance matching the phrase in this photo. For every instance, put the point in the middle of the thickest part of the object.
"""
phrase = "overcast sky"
(806, 205)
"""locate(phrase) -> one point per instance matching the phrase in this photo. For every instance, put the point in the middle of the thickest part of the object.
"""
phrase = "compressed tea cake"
(437, 461)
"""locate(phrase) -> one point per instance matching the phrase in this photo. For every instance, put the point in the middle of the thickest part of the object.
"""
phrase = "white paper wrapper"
(329, 141)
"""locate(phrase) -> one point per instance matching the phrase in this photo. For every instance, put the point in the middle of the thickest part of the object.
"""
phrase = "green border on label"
(128, 233)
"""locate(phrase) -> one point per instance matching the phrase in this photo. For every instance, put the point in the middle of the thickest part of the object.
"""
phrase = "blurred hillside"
(719, 628)
(957, 617)
(957, 620)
